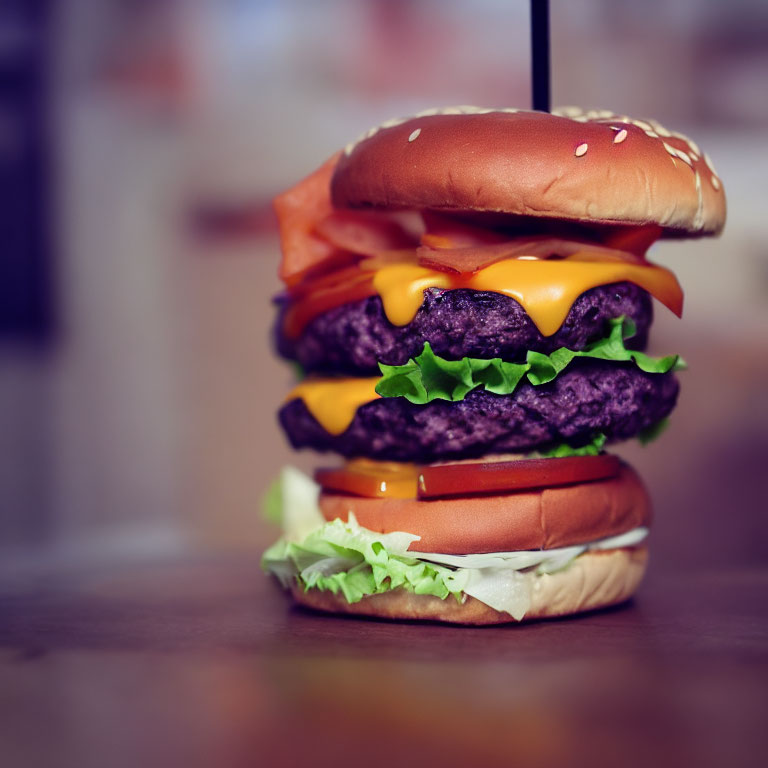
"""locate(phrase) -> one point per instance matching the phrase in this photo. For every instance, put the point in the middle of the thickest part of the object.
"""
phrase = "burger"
(467, 303)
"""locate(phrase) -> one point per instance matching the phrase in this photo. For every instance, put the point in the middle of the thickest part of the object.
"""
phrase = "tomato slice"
(378, 480)
(372, 479)
(443, 480)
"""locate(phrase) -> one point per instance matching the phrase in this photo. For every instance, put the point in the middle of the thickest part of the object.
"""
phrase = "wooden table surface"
(201, 661)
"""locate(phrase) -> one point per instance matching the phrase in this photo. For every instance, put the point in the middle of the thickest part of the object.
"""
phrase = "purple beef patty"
(616, 399)
(355, 337)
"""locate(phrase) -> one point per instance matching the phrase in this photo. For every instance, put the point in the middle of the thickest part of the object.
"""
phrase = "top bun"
(593, 167)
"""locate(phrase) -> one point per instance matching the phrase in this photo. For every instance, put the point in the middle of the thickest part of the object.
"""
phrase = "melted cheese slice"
(546, 289)
(334, 402)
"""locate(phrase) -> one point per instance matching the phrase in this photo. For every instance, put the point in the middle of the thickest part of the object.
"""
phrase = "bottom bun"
(544, 518)
(593, 580)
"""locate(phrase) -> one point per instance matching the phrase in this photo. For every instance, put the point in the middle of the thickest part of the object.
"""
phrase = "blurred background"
(140, 144)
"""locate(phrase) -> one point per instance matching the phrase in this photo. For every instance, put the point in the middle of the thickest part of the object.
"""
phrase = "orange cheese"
(373, 479)
(334, 402)
(546, 288)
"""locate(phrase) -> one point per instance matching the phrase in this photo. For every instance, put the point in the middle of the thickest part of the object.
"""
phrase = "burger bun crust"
(595, 168)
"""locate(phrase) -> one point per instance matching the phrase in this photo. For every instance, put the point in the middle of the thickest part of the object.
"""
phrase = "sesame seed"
(581, 150)
(672, 151)
(569, 111)
(708, 161)
(698, 219)
(684, 157)
(652, 134)
(615, 128)
(414, 135)
(642, 124)
(715, 182)
(620, 136)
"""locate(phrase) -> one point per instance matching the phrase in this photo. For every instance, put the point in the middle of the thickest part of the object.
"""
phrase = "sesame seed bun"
(540, 519)
(593, 167)
(593, 580)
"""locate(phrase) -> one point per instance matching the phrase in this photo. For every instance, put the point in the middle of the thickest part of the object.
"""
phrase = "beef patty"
(616, 399)
(355, 337)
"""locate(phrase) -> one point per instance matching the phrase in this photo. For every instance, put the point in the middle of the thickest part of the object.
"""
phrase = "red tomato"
(465, 479)
(375, 480)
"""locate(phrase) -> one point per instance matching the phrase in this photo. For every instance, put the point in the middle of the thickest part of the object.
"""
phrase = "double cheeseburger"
(467, 301)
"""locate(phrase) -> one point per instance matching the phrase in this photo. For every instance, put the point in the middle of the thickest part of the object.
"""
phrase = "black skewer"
(540, 89)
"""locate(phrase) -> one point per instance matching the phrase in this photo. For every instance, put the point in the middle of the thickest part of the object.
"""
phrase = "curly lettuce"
(344, 557)
(429, 377)
(563, 450)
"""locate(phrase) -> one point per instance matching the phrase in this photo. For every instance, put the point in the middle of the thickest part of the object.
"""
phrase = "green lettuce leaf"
(429, 377)
(564, 450)
(649, 434)
(596, 444)
(344, 557)
(272, 502)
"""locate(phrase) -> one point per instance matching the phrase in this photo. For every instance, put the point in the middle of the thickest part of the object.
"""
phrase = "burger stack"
(468, 301)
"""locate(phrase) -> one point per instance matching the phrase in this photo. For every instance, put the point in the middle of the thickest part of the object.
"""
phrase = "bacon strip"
(454, 245)
(316, 239)
(636, 240)
(364, 232)
(299, 210)
(472, 259)
(447, 232)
